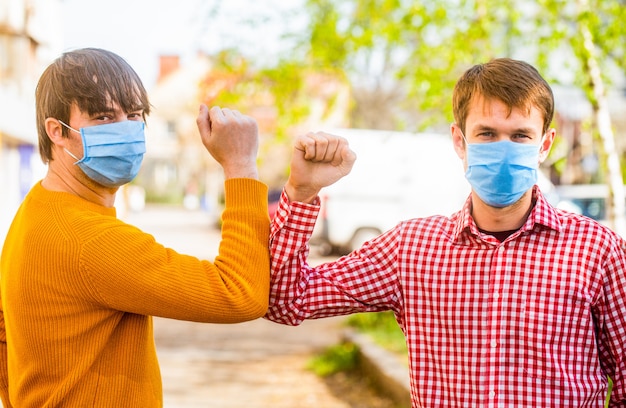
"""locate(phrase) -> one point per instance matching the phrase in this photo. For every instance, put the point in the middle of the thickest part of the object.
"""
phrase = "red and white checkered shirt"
(538, 320)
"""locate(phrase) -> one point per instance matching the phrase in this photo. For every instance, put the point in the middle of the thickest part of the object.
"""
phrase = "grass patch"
(340, 358)
(382, 328)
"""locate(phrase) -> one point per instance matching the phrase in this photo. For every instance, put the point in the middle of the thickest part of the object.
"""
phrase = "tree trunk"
(616, 201)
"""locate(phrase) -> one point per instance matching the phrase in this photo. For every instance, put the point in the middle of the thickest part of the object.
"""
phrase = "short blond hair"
(516, 83)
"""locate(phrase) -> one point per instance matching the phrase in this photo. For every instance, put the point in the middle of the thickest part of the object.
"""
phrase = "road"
(255, 364)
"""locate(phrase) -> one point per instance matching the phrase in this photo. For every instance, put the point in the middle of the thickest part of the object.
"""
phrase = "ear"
(546, 145)
(54, 130)
(457, 140)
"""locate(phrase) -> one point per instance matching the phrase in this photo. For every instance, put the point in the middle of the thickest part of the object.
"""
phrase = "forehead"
(109, 107)
(483, 111)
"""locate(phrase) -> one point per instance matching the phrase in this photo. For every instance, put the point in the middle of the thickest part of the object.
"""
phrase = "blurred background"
(309, 65)
(379, 72)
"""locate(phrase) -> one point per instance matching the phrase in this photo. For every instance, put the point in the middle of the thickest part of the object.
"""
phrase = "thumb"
(203, 121)
(348, 156)
(346, 159)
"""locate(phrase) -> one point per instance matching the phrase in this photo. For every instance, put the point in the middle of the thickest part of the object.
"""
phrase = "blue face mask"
(112, 152)
(501, 172)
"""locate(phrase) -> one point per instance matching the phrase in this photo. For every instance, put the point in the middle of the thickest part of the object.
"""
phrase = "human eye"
(102, 117)
(485, 136)
(138, 115)
(521, 136)
(105, 115)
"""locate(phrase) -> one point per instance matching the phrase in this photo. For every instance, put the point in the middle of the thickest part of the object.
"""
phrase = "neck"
(69, 183)
(494, 219)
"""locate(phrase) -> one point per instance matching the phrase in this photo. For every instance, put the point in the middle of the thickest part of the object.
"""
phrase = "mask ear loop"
(463, 136)
(541, 147)
(67, 151)
(68, 126)
(73, 157)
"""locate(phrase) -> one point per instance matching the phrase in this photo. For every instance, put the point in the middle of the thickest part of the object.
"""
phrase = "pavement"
(256, 364)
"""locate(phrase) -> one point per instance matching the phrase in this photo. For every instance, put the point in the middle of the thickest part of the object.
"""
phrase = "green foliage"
(383, 329)
(343, 357)
(234, 81)
(423, 45)
(420, 48)
(402, 58)
(286, 84)
(339, 358)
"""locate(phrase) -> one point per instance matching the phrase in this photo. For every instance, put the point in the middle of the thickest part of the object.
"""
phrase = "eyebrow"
(99, 112)
(110, 110)
(484, 128)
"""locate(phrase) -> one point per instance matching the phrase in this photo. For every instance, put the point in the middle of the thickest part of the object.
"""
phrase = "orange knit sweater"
(79, 288)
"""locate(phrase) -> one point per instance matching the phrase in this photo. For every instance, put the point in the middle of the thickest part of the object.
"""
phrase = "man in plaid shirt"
(509, 302)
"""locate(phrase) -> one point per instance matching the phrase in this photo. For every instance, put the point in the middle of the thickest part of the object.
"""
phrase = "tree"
(403, 57)
(593, 33)
(410, 54)
(589, 52)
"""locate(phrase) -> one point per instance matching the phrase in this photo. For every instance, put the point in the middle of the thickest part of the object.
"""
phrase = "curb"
(383, 367)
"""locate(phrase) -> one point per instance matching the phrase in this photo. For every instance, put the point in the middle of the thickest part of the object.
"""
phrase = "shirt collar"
(542, 215)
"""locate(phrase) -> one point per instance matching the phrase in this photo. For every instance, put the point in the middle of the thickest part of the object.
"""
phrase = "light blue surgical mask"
(501, 172)
(112, 153)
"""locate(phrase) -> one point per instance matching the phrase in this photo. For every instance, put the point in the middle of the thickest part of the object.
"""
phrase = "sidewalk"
(256, 364)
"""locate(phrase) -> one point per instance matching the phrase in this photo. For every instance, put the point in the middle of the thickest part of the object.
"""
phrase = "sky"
(141, 30)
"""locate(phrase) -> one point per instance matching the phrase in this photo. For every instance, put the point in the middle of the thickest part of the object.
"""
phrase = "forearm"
(243, 257)
(234, 287)
(352, 284)
(299, 291)
(288, 254)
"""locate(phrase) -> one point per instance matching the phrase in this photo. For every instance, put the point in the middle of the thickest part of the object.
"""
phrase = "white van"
(591, 199)
(397, 176)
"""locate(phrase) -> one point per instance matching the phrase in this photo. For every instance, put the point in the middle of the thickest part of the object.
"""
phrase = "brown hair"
(91, 78)
(516, 83)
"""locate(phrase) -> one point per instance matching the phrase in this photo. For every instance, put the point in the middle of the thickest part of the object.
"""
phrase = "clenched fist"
(319, 160)
(232, 139)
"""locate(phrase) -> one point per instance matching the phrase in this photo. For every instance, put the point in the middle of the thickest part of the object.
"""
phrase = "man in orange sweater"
(79, 286)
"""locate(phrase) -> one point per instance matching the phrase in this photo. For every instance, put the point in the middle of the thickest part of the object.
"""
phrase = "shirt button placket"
(496, 276)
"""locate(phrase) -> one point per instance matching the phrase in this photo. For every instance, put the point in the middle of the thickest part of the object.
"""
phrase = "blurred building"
(29, 38)
(176, 164)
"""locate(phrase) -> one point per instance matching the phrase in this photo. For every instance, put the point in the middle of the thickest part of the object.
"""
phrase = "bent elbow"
(259, 307)
(249, 308)
(258, 314)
